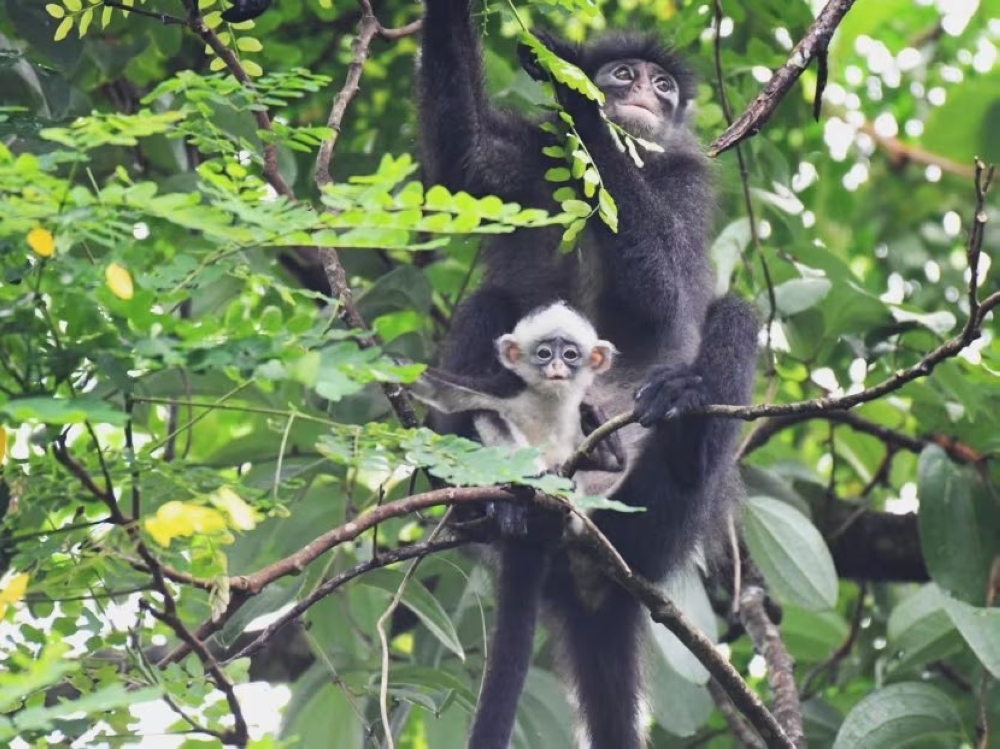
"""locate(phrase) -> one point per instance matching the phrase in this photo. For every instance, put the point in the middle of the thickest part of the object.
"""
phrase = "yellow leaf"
(62, 31)
(217, 64)
(73, 5)
(249, 44)
(56, 11)
(41, 241)
(3, 444)
(14, 591)
(119, 281)
(242, 516)
(175, 519)
(253, 69)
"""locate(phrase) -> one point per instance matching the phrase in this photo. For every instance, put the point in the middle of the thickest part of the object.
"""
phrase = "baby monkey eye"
(622, 73)
(544, 353)
(571, 354)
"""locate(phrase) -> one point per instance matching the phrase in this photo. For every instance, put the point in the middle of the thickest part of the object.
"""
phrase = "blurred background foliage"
(146, 263)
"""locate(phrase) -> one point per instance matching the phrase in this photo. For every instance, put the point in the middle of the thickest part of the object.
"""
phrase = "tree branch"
(383, 559)
(768, 428)
(978, 311)
(781, 667)
(812, 46)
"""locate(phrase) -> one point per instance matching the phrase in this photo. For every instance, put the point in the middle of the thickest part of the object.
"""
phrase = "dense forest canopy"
(220, 269)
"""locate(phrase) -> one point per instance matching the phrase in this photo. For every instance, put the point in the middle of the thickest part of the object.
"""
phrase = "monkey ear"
(509, 350)
(601, 356)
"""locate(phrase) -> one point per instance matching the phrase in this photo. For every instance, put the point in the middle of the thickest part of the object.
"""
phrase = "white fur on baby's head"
(555, 319)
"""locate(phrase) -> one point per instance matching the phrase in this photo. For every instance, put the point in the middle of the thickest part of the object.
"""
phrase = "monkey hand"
(529, 57)
(245, 10)
(524, 521)
(670, 391)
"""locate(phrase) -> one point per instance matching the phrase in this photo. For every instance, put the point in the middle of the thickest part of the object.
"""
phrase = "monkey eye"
(570, 354)
(622, 73)
(664, 84)
(544, 353)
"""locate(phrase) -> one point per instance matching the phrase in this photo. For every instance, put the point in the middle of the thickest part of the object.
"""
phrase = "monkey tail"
(601, 650)
(519, 593)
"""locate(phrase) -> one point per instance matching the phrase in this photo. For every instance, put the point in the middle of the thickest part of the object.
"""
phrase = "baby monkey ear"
(509, 350)
(602, 355)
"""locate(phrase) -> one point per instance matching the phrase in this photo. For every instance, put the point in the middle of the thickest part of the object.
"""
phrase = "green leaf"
(63, 411)
(727, 249)
(608, 209)
(576, 207)
(965, 126)
(920, 630)
(812, 635)
(603, 503)
(687, 590)
(901, 715)
(99, 702)
(56, 11)
(74, 6)
(421, 602)
(981, 629)
(959, 525)
(790, 552)
(800, 294)
(557, 174)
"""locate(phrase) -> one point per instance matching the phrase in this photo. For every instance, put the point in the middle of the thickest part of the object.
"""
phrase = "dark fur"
(648, 288)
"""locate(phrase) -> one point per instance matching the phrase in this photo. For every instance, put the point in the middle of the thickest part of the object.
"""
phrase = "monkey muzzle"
(556, 370)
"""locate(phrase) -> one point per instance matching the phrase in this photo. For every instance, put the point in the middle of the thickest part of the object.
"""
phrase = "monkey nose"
(557, 370)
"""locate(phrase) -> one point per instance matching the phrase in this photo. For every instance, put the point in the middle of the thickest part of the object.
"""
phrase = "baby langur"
(556, 355)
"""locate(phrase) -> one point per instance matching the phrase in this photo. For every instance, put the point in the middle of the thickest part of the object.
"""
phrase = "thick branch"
(780, 665)
(870, 545)
(297, 562)
(822, 406)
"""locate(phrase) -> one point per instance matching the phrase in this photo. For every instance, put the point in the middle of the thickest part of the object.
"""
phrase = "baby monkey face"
(557, 358)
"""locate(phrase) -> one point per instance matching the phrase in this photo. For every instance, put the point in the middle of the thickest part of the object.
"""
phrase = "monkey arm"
(451, 393)
(722, 373)
(468, 143)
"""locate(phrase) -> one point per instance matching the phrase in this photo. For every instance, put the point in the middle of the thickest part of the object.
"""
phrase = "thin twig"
(382, 560)
(383, 690)
(164, 18)
(368, 29)
(810, 685)
(737, 724)
(747, 199)
(957, 451)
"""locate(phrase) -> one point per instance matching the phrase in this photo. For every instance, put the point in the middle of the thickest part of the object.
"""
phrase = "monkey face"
(558, 359)
(640, 96)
